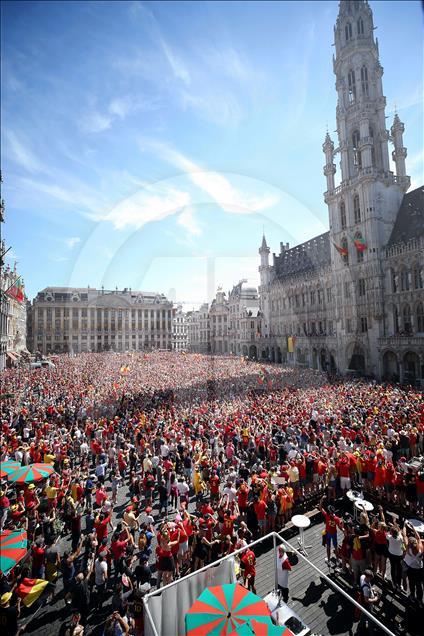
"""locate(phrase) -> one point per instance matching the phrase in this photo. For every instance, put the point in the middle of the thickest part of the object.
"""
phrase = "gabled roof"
(409, 222)
(308, 256)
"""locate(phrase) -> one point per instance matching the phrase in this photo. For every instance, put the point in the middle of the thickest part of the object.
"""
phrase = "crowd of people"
(165, 462)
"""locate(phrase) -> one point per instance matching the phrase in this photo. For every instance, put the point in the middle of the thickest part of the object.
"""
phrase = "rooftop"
(409, 222)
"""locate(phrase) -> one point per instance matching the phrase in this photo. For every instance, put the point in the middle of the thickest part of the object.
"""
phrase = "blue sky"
(148, 144)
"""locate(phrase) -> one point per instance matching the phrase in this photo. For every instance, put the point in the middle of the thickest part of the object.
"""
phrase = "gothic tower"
(363, 207)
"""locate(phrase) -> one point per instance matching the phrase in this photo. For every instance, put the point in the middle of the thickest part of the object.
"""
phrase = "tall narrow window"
(372, 146)
(342, 215)
(404, 280)
(356, 209)
(364, 80)
(348, 31)
(420, 318)
(351, 83)
(396, 319)
(418, 277)
(360, 26)
(407, 322)
(357, 159)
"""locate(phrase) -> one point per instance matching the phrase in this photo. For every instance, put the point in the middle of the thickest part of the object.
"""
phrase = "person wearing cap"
(9, 615)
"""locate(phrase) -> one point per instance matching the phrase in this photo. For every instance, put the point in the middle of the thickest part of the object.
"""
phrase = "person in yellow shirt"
(49, 459)
(51, 494)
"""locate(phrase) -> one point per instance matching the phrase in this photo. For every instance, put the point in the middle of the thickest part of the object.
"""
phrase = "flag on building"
(360, 244)
(343, 251)
(29, 590)
(291, 341)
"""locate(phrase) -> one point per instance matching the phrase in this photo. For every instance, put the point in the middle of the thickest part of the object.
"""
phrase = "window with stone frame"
(364, 81)
(420, 318)
(351, 85)
(356, 209)
(342, 215)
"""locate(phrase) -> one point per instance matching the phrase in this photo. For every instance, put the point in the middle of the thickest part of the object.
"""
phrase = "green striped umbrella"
(9, 467)
(222, 608)
(31, 473)
(254, 628)
(13, 548)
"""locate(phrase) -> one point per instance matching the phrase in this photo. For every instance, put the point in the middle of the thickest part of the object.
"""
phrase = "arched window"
(418, 277)
(345, 246)
(364, 80)
(360, 26)
(359, 253)
(396, 319)
(348, 31)
(356, 209)
(351, 83)
(420, 318)
(342, 215)
(407, 322)
(357, 159)
(404, 280)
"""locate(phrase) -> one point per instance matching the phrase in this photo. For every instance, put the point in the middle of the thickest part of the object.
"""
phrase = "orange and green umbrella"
(31, 473)
(9, 467)
(219, 610)
(255, 628)
(13, 548)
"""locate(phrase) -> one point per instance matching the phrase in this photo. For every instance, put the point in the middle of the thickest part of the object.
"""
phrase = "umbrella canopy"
(220, 609)
(13, 548)
(31, 473)
(8, 467)
(254, 628)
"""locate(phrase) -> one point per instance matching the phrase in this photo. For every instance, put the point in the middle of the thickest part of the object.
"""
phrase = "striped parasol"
(31, 473)
(219, 610)
(13, 548)
(254, 628)
(8, 467)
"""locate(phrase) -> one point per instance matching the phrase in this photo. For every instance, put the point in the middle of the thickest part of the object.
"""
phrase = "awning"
(12, 355)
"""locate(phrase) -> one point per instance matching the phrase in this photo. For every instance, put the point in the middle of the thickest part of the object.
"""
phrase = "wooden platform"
(323, 609)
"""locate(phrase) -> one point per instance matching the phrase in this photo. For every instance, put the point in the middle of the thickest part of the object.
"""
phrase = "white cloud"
(188, 220)
(95, 122)
(22, 155)
(72, 241)
(151, 204)
(217, 186)
(177, 65)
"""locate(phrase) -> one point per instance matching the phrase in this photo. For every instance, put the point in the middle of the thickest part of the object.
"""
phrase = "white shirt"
(100, 572)
(231, 492)
(395, 545)
(282, 575)
(183, 488)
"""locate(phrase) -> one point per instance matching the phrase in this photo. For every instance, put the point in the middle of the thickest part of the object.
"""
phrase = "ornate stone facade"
(340, 296)
(84, 319)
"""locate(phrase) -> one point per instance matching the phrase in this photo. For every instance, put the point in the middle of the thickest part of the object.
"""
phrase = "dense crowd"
(165, 462)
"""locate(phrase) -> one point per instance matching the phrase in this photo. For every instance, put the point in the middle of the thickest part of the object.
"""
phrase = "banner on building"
(291, 341)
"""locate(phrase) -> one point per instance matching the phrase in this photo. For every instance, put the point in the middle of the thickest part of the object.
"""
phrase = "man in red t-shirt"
(332, 522)
(214, 487)
(260, 509)
(249, 569)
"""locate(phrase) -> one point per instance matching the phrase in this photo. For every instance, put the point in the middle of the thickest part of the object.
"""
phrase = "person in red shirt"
(260, 509)
(248, 561)
(100, 525)
(242, 498)
(214, 487)
(228, 524)
(332, 522)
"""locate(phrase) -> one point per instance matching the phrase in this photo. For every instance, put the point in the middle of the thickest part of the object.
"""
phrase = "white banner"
(168, 608)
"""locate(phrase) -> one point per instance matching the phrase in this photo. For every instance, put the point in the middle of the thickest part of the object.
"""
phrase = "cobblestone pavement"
(46, 620)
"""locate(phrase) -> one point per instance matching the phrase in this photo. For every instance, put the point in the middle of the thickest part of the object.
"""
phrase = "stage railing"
(276, 539)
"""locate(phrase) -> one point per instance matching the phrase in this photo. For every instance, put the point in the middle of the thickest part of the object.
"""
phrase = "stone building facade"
(351, 299)
(179, 329)
(218, 321)
(13, 318)
(85, 319)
